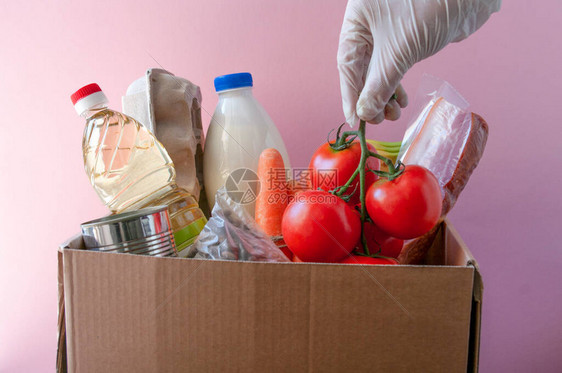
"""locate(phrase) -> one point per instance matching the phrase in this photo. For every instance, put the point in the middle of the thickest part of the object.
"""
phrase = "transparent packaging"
(445, 137)
(448, 140)
(232, 234)
(439, 141)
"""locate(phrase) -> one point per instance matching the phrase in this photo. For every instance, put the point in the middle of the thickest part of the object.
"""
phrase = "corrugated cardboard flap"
(75, 242)
(459, 253)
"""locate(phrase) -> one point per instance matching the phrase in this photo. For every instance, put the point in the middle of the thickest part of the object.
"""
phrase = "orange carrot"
(272, 199)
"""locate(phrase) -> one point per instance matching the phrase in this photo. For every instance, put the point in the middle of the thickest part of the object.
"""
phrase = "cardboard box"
(127, 313)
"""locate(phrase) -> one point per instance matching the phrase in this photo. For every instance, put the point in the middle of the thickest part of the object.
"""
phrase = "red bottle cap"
(84, 92)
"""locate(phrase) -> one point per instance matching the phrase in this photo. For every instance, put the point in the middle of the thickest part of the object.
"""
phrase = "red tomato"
(379, 240)
(287, 252)
(360, 259)
(331, 168)
(281, 245)
(408, 206)
(320, 227)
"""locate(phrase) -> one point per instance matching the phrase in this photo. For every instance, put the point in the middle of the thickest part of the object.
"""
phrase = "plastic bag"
(231, 234)
(445, 138)
(448, 140)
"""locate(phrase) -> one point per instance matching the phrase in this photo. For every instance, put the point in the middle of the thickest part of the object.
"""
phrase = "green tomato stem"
(364, 155)
(341, 190)
(393, 172)
(342, 142)
(347, 134)
(388, 162)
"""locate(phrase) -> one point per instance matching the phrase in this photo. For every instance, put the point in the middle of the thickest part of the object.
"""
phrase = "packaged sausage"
(447, 139)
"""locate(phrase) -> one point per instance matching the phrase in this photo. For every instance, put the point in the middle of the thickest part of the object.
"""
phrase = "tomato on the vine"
(360, 259)
(331, 168)
(285, 249)
(320, 227)
(408, 206)
(379, 241)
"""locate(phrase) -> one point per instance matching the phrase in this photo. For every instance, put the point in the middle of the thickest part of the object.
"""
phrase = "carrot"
(272, 199)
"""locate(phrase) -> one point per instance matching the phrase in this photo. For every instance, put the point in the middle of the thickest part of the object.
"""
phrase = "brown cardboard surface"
(135, 313)
(458, 254)
(61, 347)
(143, 314)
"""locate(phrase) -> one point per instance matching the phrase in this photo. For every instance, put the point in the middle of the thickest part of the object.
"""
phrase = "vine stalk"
(393, 172)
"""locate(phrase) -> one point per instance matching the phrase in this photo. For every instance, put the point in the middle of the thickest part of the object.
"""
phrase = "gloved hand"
(381, 39)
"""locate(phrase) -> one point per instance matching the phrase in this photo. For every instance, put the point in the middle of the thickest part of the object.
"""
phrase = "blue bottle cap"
(232, 81)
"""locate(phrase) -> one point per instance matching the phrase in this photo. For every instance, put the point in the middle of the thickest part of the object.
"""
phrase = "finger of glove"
(401, 96)
(392, 110)
(378, 119)
(381, 83)
(349, 95)
(352, 70)
(354, 54)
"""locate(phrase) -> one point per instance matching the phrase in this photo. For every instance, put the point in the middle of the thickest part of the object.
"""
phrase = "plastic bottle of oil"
(130, 169)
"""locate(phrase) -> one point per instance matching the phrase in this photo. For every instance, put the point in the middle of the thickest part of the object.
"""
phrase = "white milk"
(239, 131)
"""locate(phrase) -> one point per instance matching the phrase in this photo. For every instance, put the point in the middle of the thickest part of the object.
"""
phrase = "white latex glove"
(381, 39)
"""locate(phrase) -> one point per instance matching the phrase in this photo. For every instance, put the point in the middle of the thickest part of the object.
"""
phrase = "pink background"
(509, 215)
